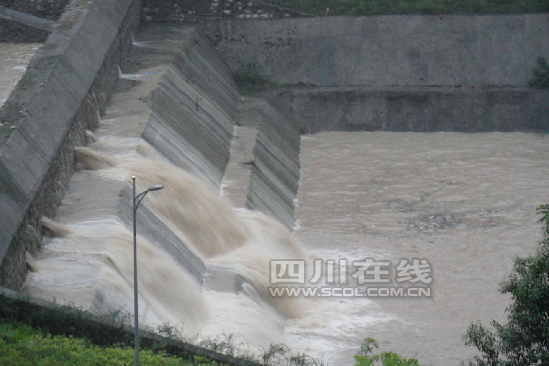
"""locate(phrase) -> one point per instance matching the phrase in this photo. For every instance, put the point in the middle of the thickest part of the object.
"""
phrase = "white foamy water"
(465, 202)
(204, 265)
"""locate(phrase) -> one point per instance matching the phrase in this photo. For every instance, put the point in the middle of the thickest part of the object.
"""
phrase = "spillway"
(204, 262)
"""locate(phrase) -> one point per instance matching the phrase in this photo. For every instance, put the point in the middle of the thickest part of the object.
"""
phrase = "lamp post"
(137, 199)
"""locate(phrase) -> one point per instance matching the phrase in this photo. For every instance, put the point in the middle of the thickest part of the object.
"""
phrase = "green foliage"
(68, 321)
(20, 345)
(249, 81)
(373, 7)
(105, 330)
(541, 75)
(524, 338)
(367, 358)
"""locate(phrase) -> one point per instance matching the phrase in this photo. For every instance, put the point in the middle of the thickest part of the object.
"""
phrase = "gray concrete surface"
(411, 50)
(66, 85)
(236, 180)
(415, 109)
(198, 89)
(26, 19)
(11, 31)
(274, 177)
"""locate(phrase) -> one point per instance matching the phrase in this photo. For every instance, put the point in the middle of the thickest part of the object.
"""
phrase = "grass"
(377, 7)
(21, 345)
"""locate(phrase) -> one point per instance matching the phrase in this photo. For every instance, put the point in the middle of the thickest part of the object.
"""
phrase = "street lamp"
(137, 199)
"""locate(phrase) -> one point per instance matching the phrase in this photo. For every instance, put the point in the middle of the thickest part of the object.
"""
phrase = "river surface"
(465, 202)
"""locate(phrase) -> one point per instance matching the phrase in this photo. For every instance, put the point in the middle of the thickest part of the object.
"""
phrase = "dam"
(370, 141)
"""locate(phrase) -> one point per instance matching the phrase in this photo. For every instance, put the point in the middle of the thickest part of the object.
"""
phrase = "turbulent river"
(464, 202)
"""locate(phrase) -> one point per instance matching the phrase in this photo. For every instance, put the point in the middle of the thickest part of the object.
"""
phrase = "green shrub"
(541, 74)
(21, 345)
(524, 338)
(367, 358)
(250, 81)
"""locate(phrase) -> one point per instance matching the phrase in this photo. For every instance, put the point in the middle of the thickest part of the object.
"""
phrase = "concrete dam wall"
(170, 121)
(398, 73)
(387, 50)
(192, 106)
(65, 87)
(415, 109)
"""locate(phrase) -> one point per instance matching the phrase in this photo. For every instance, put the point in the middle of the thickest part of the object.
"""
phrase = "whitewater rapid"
(213, 278)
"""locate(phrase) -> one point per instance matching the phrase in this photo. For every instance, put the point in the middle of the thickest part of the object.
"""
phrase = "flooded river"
(464, 202)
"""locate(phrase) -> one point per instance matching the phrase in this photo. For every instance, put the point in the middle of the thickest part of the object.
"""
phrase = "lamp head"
(157, 187)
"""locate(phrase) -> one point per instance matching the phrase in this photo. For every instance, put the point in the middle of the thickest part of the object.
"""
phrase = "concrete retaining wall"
(387, 50)
(416, 109)
(66, 85)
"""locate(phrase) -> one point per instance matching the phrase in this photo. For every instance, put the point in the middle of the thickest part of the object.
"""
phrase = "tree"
(524, 338)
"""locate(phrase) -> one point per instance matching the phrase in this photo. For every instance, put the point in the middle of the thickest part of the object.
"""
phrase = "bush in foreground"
(524, 338)
(366, 357)
(21, 345)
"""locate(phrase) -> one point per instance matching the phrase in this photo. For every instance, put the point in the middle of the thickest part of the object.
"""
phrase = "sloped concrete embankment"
(194, 109)
(419, 73)
(194, 105)
(67, 84)
(274, 178)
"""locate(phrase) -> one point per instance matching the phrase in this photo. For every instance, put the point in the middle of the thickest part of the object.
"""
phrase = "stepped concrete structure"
(404, 73)
(193, 107)
(107, 60)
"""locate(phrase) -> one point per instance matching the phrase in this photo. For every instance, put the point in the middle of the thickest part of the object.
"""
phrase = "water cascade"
(203, 263)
